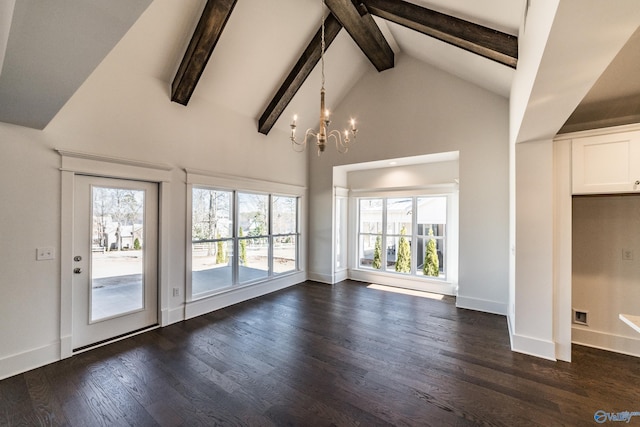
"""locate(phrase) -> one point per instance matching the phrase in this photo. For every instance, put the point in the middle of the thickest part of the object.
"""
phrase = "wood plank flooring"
(319, 355)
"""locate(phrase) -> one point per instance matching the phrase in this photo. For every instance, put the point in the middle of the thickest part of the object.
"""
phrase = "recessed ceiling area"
(615, 97)
(42, 69)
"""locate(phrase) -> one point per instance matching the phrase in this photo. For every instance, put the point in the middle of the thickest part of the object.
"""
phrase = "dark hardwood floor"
(322, 355)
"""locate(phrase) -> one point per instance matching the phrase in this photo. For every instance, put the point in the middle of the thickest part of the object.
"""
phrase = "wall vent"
(580, 317)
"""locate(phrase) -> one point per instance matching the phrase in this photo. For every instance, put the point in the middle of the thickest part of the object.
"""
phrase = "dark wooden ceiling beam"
(487, 42)
(364, 31)
(212, 22)
(298, 74)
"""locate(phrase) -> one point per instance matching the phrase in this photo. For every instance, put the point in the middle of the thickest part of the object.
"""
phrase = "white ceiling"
(260, 44)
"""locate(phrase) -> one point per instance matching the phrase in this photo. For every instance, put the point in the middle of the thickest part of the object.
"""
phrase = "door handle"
(77, 270)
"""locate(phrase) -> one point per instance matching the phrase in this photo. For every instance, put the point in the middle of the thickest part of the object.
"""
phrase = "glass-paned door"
(115, 258)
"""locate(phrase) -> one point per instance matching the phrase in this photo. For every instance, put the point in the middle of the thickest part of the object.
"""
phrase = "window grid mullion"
(383, 232)
(414, 238)
(270, 242)
(236, 249)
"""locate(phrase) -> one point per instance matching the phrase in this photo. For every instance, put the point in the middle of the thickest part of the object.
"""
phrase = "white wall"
(410, 176)
(121, 112)
(532, 333)
(604, 284)
(415, 109)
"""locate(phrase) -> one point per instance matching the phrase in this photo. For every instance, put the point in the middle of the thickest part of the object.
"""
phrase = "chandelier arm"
(341, 147)
(295, 143)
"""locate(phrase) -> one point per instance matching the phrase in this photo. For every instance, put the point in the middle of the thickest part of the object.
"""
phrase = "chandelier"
(323, 135)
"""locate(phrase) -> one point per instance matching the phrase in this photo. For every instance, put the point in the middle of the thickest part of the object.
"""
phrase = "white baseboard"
(66, 347)
(169, 316)
(533, 346)
(478, 304)
(340, 275)
(320, 277)
(605, 341)
(235, 296)
(31, 359)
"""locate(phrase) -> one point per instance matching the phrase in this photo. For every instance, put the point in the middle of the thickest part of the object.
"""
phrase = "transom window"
(240, 237)
(405, 235)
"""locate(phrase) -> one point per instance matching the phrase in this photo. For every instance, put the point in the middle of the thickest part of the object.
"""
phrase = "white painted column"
(534, 292)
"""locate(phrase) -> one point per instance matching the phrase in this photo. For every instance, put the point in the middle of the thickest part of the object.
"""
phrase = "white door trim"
(75, 163)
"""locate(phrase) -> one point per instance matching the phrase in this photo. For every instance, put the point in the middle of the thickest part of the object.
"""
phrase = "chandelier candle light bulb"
(322, 135)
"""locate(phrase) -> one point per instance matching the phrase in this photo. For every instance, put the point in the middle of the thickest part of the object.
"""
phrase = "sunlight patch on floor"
(406, 291)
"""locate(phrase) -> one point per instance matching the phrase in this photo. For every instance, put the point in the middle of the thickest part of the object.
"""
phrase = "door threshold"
(114, 339)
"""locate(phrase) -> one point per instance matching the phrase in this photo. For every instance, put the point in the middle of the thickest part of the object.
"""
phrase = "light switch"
(43, 254)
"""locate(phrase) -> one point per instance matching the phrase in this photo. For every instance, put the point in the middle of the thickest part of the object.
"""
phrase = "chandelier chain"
(323, 134)
(322, 43)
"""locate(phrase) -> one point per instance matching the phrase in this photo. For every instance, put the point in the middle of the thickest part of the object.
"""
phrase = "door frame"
(77, 163)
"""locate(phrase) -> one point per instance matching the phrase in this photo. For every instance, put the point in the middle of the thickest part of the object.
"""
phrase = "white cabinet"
(606, 163)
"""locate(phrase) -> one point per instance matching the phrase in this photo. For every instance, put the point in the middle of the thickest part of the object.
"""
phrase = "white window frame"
(447, 285)
(208, 301)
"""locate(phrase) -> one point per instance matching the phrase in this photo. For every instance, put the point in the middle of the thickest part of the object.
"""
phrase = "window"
(370, 236)
(253, 236)
(285, 236)
(431, 224)
(212, 240)
(405, 235)
(262, 229)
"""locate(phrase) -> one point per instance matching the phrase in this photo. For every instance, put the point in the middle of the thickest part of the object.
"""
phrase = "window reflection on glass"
(393, 250)
(370, 216)
(211, 214)
(284, 214)
(431, 224)
(369, 256)
(398, 252)
(399, 216)
(212, 246)
(284, 223)
(117, 252)
(254, 259)
(253, 214)
(211, 266)
(262, 228)
(284, 254)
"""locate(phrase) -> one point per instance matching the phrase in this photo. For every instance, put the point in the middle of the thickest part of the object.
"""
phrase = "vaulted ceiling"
(259, 45)
(263, 62)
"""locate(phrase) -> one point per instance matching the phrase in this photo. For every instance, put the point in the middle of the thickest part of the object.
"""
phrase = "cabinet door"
(606, 163)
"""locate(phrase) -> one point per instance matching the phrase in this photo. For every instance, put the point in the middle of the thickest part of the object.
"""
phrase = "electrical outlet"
(176, 292)
(43, 254)
(627, 254)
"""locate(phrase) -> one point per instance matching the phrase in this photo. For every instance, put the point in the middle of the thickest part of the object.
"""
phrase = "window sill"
(419, 283)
